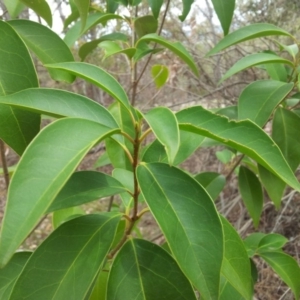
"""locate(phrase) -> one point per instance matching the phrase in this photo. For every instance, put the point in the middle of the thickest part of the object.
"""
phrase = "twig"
(4, 164)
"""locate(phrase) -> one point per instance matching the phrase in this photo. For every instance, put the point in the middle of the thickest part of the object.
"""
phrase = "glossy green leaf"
(271, 242)
(111, 6)
(165, 127)
(252, 194)
(286, 267)
(227, 291)
(145, 25)
(138, 265)
(63, 215)
(68, 260)
(244, 136)
(231, 112)
(247, 33)
(102, 161)
(274, 186)
(177, 48)
(260, 98)
(254, 60)
(277, 72)
(97, 76)
(225, 156)
(10, 273)
(46, 45)
(125, 177)
(116, 153)
(143, 49)
(88, 47)
(212, 182)
(155, 7)
(189, 143)
(189, 220)
(252, 241)
(74, 33)
(236, 264)
(84, 187)
(99, 291)
(285, 132)
(37, 180)
(112, 48)
(59, 103)
(187, 4)
(17, 72)
(160, 75)
(71, 18)
(224, 11)
(83, 9)
(14, 7)
(41, 8)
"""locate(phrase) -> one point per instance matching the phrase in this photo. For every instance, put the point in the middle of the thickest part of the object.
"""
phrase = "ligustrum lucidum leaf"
(244, 136)
(14, 7)
(155, 7)
(83, 9)
(260, 98)
(236, 264)
(59, 103)
(84, 187)
(189, 220)
(224, 11)
(46, 45)
(65, 265)
(252, 193)
(254, 60)
(160, 75)
(138, 265)
(10, 273)
(37, 181)
(187, 4)
(17, 72)
(247, 33)
(177, 48)
(165, 127)
(41, 8)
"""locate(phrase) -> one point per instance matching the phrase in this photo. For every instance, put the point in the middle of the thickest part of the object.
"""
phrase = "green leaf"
(212, 182)
(145, 25)
(247, 33)
(160, 75)
(165, 127)
(17, 72)
(236, 264)
(286, 267)
(59, 103)
(252, 194)
(87, 48)
(14, 7)
(227, 291)
(84, 187)
(139, 264)
(102, 161)
(37, 180)
(83, 9)
(189, 143)
(187, 4)
(125, 177)
(155, 7)
(276, 72)
(254, 60)
(63, 215)
(231, 112)
(41, 8)
(10, 273)
(252, 241)
(274, 186)
(177, 48)
(97, 76)
(260, 98)
(99, 291)
(92, 20)
(111, 6)
(224, 11)
(68, 261)
(112, 48)
(189, 220)
(46, 45)
(244, 136)
(271, 242)
(285, 132)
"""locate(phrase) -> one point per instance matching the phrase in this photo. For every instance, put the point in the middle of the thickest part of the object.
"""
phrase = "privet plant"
(96, 256)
